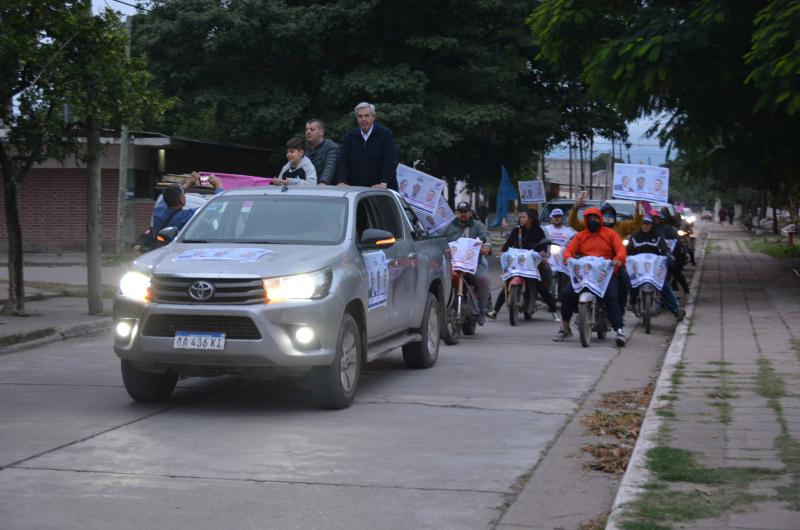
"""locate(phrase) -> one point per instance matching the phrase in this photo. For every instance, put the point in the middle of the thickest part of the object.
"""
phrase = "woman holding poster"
(530, 236)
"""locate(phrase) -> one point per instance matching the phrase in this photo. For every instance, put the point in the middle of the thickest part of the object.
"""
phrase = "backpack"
(149, 239)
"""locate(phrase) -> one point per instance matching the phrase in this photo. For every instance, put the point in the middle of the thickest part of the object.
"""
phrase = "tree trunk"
(451, 191)
(93, 230)
(591, 159)
(793, 210)
(16, 285)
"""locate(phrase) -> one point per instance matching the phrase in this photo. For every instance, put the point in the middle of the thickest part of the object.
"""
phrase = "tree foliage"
(723, 74)
(54, 55)
(454, 80)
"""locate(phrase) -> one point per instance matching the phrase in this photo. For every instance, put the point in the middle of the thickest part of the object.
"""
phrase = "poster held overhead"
(641, 183)
(531, 192)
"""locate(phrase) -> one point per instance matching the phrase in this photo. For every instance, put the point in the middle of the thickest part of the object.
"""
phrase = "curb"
(637, 474)
(62, 333)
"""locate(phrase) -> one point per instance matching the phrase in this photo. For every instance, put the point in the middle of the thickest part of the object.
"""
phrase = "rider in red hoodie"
(594, 240)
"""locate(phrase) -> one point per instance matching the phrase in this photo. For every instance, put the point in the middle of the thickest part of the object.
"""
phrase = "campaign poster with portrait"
(465, 253)
(420, 190)
(377, 278)
(639, 182)
(531, 192)
(520, 262)
(647, 268)
(590, 272)
(442, 216)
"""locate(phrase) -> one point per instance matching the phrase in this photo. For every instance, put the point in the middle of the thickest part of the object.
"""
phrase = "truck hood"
(226, 260)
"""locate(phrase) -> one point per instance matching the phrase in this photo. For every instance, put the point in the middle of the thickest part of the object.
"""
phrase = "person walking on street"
(368, 156)
(323, 152)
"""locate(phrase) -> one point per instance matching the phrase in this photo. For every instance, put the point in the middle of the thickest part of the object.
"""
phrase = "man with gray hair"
(322, 152)
(368, 155)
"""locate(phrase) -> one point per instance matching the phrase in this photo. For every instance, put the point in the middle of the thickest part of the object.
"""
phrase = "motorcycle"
(591, 317)
(687, 240)
(648, 304)
(462, 310)
(520, 298)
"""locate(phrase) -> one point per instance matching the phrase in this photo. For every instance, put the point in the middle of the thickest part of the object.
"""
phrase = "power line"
(135, 6)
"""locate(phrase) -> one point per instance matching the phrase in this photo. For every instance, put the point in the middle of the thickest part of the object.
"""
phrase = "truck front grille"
(242, 328)
(175, 290)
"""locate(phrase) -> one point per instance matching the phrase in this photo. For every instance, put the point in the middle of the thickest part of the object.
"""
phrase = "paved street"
(440, 448)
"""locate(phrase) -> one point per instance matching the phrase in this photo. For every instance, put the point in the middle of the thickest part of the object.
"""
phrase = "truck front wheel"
(334, 386)
(147, 387)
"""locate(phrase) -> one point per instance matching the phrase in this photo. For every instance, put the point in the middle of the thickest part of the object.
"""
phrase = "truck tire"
(334, 386)
(423, 354)
(147, 387)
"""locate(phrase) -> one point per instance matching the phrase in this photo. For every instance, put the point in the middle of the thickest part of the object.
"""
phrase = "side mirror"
(373, 238)
(165, 235)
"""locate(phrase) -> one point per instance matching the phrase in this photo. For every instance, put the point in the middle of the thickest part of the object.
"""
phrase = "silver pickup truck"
(262, 282)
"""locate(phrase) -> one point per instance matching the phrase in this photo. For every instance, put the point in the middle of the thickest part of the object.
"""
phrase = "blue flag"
(505, 193)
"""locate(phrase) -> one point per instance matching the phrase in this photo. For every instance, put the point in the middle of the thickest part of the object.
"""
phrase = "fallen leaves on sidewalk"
(627, 399)
(623, 421)
(622, 425)
(609, 458)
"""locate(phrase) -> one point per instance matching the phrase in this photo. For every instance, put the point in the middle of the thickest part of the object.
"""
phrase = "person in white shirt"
(559, 234)
(299, 169)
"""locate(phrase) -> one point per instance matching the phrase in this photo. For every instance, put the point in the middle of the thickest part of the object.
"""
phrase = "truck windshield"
(269, 220)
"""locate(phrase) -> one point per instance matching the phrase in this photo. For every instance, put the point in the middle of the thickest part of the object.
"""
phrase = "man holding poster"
(465, 226)
(651, 182)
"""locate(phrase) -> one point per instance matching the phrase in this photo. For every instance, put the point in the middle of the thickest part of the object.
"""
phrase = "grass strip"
(16, 338)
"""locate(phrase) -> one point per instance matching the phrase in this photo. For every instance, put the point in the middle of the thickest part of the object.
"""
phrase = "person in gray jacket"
(464, 225)
(322, 152)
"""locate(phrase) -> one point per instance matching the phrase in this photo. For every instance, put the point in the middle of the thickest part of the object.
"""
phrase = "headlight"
(681, 233)
(691, 219)
(298, 286)
(555, 250)
(625, 242)
(134, 285)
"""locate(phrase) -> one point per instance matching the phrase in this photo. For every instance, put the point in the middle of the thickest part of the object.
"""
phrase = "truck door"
(378, 312)
(402, 264)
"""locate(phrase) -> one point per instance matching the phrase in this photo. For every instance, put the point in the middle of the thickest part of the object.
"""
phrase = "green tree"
(699, 64)
(56, 55)
(454, 80)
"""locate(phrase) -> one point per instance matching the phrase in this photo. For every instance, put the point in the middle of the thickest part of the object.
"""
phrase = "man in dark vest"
(368, 155)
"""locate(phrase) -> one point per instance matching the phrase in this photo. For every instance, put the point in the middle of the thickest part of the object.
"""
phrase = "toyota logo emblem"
(201, 290)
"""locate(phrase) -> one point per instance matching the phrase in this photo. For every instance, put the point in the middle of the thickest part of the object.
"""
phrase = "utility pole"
(93, 198)
(580, 158)
(122, 181)
(591, 159)
(571, 191)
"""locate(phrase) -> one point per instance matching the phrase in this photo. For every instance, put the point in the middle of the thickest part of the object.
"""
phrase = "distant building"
(53, 207)
(557, 176)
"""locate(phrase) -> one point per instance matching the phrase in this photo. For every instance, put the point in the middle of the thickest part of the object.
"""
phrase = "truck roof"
(316, 191)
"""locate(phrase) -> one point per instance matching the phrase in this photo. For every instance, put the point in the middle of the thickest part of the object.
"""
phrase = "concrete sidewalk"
(726, 453)
(56, 306)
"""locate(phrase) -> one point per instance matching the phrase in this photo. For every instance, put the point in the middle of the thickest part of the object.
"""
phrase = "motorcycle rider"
(688, 229)
(623, 228)
(559, 234)
(528, 235)
(595, 240)
(647, 241)
(464, 225)
(670, 235)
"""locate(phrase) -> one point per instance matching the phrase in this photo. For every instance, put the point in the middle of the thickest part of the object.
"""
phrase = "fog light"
(123, 329)
(304, 335)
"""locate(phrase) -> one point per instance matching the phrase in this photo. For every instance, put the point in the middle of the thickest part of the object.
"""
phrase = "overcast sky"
(643, 149)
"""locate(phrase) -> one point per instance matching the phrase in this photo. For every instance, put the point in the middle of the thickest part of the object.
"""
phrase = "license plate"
(185, 340)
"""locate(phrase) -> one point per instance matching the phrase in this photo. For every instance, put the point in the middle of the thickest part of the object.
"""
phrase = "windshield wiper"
(260, 242)
(195, 241)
